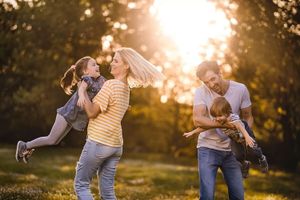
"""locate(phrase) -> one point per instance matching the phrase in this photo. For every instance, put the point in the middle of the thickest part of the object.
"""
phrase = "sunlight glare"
(193, 25)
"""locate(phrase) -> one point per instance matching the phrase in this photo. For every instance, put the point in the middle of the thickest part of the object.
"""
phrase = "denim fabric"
(73, 114)
(100, 159)
(209, 160)
(248, 129)
(240, 150)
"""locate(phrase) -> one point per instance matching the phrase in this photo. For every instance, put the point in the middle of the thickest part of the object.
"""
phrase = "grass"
(50, 173)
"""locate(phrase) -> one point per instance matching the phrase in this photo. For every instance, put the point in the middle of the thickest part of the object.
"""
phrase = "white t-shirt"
(238, 97)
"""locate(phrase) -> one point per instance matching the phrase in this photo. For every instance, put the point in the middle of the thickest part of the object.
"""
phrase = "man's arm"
(246, 114)
(201, 120)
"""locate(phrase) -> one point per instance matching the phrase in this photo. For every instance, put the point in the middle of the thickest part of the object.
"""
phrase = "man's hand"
(229, 125)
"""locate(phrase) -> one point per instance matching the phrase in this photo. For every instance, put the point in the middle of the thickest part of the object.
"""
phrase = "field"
(50, 173)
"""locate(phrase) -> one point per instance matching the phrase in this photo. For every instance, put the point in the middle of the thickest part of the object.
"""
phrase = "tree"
(265, 56)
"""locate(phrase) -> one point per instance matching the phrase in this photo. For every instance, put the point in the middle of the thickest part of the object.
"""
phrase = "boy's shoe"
(263, 163)
(26, 155)
(245, 168)
(20, 149)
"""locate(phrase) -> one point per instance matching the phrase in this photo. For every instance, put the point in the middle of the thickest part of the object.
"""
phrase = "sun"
(195, 26)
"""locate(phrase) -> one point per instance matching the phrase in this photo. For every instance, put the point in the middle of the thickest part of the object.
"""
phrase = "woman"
(103, 147)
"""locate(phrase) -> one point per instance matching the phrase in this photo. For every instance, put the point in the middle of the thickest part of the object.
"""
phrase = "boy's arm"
(249, 140)
(197, 130)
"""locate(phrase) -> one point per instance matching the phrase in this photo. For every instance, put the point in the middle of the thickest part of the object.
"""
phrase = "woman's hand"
(81, 101)
(82, 85)
(81, 90)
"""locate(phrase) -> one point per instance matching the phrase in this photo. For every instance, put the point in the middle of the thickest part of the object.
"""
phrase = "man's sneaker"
(245, 168)
(21, 148)
(26, 155)
(263, 163)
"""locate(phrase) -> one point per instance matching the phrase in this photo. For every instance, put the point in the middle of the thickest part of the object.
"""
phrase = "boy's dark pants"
(240, 150)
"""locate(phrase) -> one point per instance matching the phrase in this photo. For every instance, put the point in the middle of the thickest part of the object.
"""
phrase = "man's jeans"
(101, 159)
(209, 160)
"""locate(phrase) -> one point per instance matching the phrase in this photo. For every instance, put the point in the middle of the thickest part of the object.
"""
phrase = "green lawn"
(50, 173)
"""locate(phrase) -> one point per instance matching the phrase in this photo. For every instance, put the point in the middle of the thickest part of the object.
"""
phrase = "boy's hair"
(207, 66)
(220, 106)
(73, 74)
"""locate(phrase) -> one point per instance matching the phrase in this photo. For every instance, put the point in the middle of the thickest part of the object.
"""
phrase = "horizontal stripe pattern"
(113, 100)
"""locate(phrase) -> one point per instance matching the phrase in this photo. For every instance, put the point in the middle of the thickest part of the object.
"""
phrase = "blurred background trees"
(40, 39)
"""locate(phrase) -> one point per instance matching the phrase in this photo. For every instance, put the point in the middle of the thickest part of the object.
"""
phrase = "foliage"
(40, 39)
(265, 56)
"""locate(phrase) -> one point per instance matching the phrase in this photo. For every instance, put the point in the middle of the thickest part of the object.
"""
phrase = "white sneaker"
(20, 149)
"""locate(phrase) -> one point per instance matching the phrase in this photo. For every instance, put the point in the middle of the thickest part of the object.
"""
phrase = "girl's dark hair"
(73, 74)
(220, 106)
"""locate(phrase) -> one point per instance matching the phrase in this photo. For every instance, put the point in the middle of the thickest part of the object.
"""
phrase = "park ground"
(50, 172)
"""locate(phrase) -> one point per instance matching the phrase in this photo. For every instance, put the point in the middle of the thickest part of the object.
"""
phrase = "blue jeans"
(240, 150)
(209, 160)
(101, 159)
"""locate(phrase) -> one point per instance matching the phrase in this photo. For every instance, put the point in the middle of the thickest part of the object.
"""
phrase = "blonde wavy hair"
(142, 73)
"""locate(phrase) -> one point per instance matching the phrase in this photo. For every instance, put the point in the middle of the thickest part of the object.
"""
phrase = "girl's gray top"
(74, 115)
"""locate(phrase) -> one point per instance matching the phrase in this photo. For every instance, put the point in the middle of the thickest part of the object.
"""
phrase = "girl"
(241, 136)
(70, 115)
(104, 145)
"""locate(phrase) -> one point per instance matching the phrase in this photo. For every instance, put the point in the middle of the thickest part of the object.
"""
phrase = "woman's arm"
(92, 110)
(81, 96)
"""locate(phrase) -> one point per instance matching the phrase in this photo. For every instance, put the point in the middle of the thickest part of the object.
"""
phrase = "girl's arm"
(249, 140)
(197, 130)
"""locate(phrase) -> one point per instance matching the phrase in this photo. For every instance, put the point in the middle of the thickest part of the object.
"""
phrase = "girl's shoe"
(20, 149)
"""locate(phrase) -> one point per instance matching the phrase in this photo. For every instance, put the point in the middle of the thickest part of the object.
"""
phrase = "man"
(214, 150)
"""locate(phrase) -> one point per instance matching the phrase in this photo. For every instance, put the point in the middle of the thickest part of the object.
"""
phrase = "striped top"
(113, 100)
